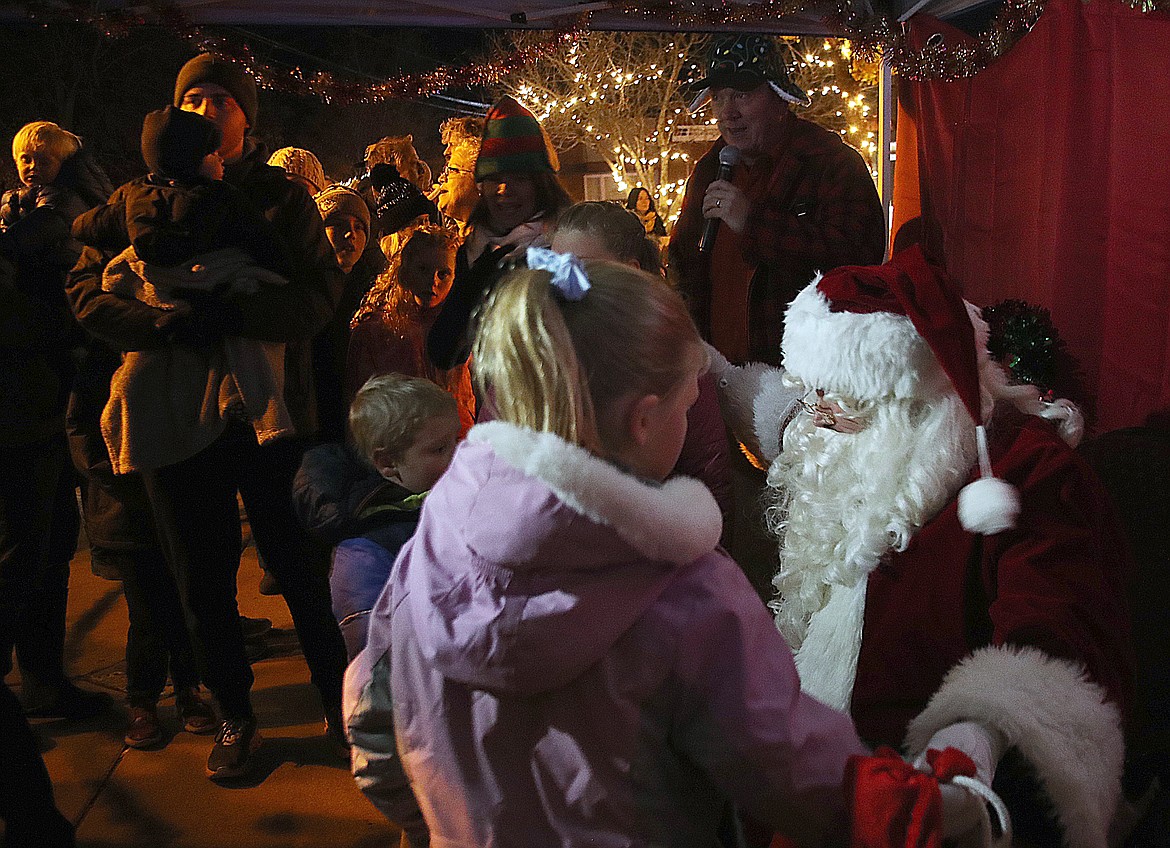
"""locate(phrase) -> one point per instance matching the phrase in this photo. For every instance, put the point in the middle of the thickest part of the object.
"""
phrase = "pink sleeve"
(778, 753)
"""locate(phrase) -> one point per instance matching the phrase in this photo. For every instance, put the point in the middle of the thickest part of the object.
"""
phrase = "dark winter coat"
(171, 222)
(332, 345)
(291, 314)
(38, 333)
(344, 502)
(813, 207)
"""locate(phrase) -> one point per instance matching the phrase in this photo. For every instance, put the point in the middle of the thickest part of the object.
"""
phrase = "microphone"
(728, 156)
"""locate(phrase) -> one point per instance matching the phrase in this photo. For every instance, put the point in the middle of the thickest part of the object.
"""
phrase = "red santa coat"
(1026, 631)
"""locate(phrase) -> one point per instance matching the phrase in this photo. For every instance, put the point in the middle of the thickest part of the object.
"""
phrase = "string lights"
(624, 95)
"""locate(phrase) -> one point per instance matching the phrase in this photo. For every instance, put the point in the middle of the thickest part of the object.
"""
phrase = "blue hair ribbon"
(568, 274)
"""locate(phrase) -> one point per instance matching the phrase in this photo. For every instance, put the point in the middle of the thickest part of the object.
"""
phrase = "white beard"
(839, 502)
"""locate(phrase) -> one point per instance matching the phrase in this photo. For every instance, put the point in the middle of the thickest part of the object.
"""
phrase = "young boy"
(404, 434)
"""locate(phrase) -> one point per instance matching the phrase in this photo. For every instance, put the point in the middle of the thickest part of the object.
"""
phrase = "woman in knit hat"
(520, 198)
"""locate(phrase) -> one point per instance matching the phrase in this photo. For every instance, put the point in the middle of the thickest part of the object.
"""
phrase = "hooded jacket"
(344, 502)
(574, 662)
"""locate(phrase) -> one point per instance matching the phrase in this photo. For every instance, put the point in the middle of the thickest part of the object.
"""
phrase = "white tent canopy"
(491, 14)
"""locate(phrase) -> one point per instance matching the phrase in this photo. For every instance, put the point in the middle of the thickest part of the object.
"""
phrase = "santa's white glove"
(984, 745)
(972, 812)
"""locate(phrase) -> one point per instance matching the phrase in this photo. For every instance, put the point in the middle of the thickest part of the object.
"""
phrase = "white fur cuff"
(1054, 715)
(678, 521)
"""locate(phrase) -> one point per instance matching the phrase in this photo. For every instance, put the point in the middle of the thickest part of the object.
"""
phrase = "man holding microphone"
(796, 200)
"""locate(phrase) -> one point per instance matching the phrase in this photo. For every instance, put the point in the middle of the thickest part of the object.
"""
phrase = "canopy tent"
(496, 14)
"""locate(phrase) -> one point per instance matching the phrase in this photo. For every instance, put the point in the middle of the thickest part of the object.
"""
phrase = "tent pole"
(887, 108)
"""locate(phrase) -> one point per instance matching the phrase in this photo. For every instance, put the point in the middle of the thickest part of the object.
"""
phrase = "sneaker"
(254, 628)
(144, 730)
(238, 739)
(195, 713)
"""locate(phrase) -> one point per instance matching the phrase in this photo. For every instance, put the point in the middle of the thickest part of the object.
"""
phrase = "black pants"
(198, 521)
(156, 641)
(38, 535)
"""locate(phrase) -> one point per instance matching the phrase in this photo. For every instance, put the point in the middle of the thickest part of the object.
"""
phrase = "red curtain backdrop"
(1046, 178)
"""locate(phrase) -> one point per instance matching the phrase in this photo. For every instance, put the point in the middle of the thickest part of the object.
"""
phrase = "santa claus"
(950, 572)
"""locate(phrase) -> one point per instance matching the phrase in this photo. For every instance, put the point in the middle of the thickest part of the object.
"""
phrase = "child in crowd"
(38, 504)
(366, 500)
(188, 241)
(391, 324)
(606, 231)
(573, 659)
(347, 226)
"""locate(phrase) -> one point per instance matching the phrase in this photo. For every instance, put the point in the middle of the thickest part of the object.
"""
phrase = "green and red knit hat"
(513, 142)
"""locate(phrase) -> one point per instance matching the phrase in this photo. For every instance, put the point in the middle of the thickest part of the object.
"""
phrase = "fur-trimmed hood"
(537, 556)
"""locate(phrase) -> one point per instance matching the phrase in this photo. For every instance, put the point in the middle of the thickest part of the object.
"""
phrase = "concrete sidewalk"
(300, 794)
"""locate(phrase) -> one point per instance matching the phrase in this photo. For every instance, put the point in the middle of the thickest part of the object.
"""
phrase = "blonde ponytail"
(525, 360)
(564, 366)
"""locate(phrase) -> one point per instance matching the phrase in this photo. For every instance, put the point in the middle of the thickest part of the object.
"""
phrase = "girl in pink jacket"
(573, 660)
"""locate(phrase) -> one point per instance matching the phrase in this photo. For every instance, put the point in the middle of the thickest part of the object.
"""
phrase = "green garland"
(1024, 340)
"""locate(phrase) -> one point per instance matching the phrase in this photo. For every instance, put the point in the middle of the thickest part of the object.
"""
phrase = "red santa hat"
(897, 331)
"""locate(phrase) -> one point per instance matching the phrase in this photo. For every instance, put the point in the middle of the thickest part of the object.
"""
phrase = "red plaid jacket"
(814, 207)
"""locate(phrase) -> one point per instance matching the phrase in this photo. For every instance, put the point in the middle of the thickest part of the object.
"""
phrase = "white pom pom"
(988, 506)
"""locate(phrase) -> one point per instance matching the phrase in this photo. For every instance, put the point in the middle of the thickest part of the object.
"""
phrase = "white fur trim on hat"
(704, 97)
(1057, 718)
(677, 521)
(860, 356)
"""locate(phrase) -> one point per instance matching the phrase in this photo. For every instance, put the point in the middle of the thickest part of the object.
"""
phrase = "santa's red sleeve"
(1057, 675)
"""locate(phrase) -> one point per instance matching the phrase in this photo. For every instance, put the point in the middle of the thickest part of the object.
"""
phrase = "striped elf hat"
(513, 142)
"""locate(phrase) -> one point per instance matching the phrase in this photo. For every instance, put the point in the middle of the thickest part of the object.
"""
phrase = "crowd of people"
(537, 494)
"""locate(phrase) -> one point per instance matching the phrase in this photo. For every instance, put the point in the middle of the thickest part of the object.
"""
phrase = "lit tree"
(843, 90)
(622, 94)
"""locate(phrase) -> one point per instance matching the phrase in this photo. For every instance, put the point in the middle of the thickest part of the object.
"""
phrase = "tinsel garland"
(1024, 340)
(937, 60)
(331, 88)
(873, 36)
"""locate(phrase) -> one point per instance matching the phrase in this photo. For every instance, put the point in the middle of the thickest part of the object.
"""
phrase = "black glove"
(186, 328)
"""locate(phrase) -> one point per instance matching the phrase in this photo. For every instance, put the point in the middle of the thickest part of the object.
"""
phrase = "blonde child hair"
(616, 228)
(564, 366)
(390, 409)
(47, 136)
